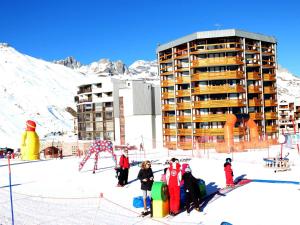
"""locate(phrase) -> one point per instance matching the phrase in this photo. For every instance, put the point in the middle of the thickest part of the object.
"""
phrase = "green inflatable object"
(159, 191)
(202, 188)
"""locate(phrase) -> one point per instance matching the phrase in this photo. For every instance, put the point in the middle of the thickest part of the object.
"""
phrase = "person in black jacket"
(146, 177)
(192, 191)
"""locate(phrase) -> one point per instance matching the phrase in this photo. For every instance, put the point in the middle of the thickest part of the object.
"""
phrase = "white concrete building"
(124, 111)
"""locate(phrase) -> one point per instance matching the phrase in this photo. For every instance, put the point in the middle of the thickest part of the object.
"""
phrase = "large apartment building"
(124, 111)
(208, 74)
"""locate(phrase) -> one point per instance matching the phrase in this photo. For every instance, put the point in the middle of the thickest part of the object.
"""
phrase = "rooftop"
(216, 34)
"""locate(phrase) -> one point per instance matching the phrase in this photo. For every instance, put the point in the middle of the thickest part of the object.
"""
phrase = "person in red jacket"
(228, 173)
(173, 177)
(124, 169)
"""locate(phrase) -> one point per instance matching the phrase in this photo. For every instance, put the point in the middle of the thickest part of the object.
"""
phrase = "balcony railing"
(252, 48)
(219, 103)
(183, 80)
(267, 50)
(166, 73)
(86, 90)
(170, 144)
(254, 102)
(217, 131)
(217, 61)
(218, 75)
(166, 95)
(269, 77)
(165, 57)
(270, 102)
(169, 119)
(185, 132)
(256, 116)
(182, 53)
(253, 76)
(170, 132)
(209, 118)
(271, 116)
(218, 89)
(218, 47)
(269, 90)
(167, 83)
(168, 107)
(183, 93)
(254, 89)
(85, 100)
(183, 105)
(184, 119)
(185, 145)
(252, 62)
(271, 129)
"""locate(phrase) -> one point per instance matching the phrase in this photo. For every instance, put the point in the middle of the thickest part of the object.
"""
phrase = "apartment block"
(208, 74)
(289, 115)
(124, 111)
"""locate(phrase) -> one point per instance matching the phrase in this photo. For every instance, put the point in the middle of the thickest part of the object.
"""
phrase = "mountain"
(34, 89)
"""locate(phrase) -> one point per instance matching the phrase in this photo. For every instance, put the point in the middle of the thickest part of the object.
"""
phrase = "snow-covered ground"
(54, 192)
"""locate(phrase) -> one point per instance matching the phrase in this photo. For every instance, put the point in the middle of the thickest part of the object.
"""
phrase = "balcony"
(271, 129)
(166, 73)
(168, 107)
(165, 58)
(269, 77)
(170, 144)
(218, 89)
(185, 145)
(218, 75)
(170, 132)
(271, 116)
(252, 62)
(167, 83)
(183, 80)
(253, 76)
(167, 95)
(270, 102)
(218, 131)
(216, 61)
(209, 118)
(254, 102)
(269, 90)
(219, 103)
(183, 93)
(251, 48)
(254, 89)
(169, 119)
(183, 105)
(85, 100)
(219, 47)
(180, 54)
(256, 116)
(267, 50)
(84, 90)
(185, 132)
(184, 119)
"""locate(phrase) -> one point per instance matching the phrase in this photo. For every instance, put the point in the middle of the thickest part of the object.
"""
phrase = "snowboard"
(144, 214)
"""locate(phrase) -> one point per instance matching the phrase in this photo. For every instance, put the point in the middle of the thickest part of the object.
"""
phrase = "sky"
(131, 30)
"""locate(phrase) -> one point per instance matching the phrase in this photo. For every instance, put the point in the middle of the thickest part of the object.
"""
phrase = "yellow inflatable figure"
(30, 146)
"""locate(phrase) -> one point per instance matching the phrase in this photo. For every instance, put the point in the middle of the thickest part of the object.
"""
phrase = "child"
(124, 168)
(173, 177)
(146, 177)
(192, 191)
(228, 173)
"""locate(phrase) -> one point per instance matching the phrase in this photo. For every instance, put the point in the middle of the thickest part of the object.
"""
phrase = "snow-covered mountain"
(34, 89)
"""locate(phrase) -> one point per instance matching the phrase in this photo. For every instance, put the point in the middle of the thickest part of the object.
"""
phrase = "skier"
(228, 173)
(192, 191)
(124, 166)
(173, 177)
(146, 177)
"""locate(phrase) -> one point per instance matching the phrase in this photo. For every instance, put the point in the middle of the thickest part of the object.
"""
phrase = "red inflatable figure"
(228, 173)
(173, 177)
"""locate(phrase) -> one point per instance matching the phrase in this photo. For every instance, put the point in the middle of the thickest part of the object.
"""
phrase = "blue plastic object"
(225, 223)
(138, 202)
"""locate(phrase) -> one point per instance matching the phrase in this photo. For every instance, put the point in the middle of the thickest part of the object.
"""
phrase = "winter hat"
(188, 170)
(30, 125)
(228, 160)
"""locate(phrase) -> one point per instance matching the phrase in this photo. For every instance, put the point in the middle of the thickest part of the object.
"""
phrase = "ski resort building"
(124, 111)
(289, 116)
(208, 74)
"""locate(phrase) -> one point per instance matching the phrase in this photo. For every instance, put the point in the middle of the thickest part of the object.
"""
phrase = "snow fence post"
(10, 190)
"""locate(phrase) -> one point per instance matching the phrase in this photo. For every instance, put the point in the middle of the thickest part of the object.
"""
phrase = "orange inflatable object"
(228, 145)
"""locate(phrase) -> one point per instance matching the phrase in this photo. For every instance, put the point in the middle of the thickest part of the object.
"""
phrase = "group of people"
(173, 175)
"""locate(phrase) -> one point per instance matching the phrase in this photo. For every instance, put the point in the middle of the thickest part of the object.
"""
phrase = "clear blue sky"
(130, 30)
